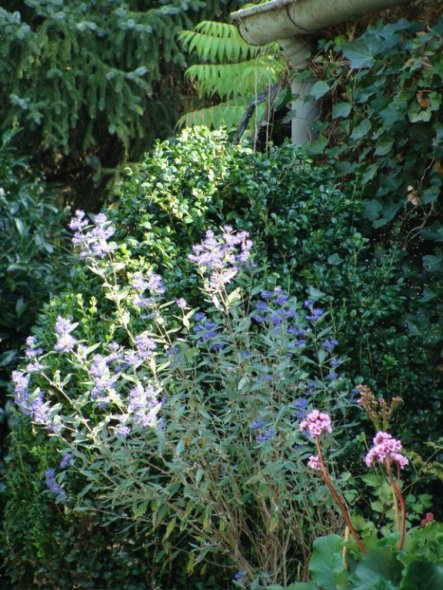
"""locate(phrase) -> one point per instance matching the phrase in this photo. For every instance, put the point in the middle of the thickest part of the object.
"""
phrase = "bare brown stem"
(338, 500)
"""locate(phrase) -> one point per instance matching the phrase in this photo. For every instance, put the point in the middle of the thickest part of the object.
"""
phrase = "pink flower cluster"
(386, 448)
(314, 462)
(316, 423)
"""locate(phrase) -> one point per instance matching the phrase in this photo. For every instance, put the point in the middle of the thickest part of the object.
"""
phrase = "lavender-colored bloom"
(298, 343)
(141, 301)
(332, 376)
(258, 424)
(199, 316)
(138, 282)
(35, 366)
(335, 363)
(21, 390)
(266, 295)
(265, 436)
(65, 341)
(93, 243)
(66, 461)
(301, 404)
(315, 315)
(55, 487)
(141, 398)
(221, 258)
(32, 350)
(102, 378)
(63, 326)
(145, 346)
(297, 331)
(281, 299)
(330, 344)
(39, 409)
(181, 303)
(308, 303)
(262, 306)
(238, 576)
(276, 318)
(290, 313)
(78, 222)
(122, 431)
(155, 283)
(259, 319)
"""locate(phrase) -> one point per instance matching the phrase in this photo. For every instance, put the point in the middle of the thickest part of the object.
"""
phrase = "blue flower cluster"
(93, 243)
(221, 258)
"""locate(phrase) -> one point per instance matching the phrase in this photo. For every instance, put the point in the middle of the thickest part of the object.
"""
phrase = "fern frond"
(217, 43)
(237, 79)
(226, 114)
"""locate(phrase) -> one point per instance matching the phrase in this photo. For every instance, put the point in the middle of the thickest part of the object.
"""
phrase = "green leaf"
(384, 146)
(361, 130)
(335, 259)
(341, 109)
(326, 565)
(420, 570)
(359, 55)
(378, 564)
(319, 89)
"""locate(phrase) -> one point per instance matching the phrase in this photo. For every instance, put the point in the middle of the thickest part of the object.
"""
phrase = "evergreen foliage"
(92, 82)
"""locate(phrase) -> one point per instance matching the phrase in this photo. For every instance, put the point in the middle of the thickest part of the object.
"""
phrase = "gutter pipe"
(287, 21)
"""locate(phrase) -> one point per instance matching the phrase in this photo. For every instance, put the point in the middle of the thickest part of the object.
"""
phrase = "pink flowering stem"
(341, 505)
(401, 500)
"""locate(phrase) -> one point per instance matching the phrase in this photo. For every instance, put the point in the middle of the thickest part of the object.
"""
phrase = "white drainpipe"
(286, 21)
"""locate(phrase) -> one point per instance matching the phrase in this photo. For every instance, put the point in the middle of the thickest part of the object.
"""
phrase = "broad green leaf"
(341, 109)
(378, 564)
(319, 89)
(359, 55)
(420, 572)
(361, 130)
(327, 567)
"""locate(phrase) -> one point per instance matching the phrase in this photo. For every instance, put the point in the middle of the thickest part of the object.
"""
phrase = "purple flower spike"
(55, 488)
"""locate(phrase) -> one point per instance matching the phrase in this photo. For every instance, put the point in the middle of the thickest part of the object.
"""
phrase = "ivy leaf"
(358, 53)
(361, 130)
(341, 109)
(319, 89)
(373, 209)
(384, 146)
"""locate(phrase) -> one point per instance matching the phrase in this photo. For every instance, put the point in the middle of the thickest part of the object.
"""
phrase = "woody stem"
(401, 500)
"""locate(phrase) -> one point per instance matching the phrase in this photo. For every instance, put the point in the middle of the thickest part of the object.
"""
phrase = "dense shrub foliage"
(31, 267)
(310, 238)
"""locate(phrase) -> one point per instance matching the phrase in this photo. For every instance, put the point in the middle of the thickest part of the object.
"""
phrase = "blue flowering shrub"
(310, 246)
(179, 423)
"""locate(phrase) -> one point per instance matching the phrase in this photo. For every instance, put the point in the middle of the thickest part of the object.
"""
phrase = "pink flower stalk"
(316, 423)
(314, 462)
(386, 448)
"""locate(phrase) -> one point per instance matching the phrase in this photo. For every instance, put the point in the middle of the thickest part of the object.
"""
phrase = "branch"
(259, 99)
